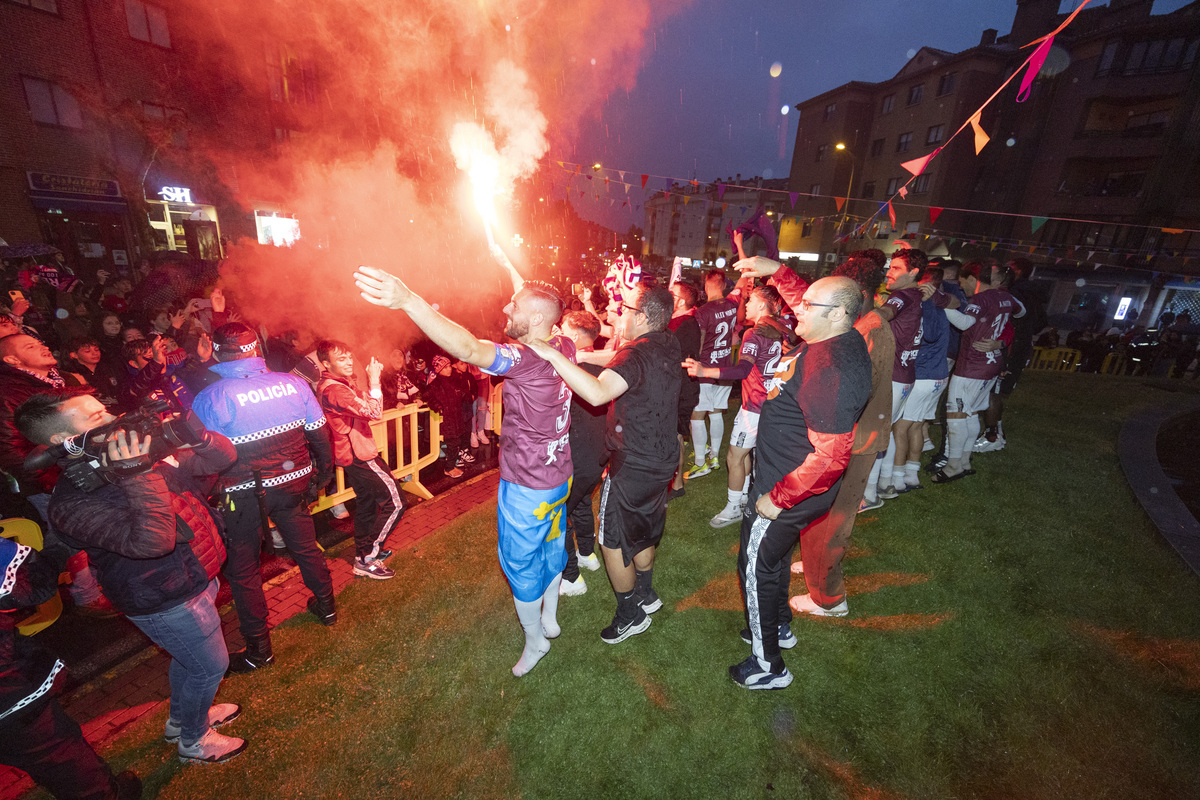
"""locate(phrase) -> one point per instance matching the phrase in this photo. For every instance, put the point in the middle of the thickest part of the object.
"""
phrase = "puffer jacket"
(153, 539)
(27, 670)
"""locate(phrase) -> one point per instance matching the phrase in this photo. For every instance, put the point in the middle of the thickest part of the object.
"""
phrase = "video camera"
(168, 432)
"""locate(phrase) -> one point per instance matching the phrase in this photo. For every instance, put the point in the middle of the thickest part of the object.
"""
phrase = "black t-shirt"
(822, 386)
(588, 425)
(687, 329)
(642, 421)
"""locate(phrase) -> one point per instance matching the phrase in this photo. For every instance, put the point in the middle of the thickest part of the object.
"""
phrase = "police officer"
(275, 421)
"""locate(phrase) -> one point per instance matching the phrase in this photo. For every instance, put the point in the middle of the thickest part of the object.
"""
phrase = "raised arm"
(383, 289)
(502, 259)
(596, 391)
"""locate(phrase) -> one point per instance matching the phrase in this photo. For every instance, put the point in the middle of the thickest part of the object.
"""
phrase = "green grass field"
(1024, 633)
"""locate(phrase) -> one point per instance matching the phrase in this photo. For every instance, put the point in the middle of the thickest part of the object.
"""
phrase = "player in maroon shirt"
(718, 319)
(762, 347)
(979, 362)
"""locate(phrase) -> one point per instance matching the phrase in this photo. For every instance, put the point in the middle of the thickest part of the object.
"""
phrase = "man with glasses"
(642, 382)
(535, 450)
(806, 434)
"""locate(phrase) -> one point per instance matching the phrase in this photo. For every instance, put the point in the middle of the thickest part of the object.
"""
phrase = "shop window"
(40, 5)
(51, 104)
(888, 104)
(147, 23)
(904, 142)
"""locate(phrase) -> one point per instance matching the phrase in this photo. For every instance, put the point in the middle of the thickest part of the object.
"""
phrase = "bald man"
(806, 435)
(535, 450)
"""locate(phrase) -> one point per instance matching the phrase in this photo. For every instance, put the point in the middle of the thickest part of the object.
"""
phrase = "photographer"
(36, 735)
(155, 542)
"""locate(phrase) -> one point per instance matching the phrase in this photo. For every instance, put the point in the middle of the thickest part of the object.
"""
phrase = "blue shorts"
(529, 524)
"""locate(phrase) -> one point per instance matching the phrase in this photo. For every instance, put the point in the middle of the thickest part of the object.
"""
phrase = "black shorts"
(633, 505)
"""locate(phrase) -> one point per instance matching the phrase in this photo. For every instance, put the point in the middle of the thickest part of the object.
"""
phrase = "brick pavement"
(104, 707)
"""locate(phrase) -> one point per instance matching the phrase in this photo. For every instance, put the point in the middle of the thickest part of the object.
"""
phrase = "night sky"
(706, 107)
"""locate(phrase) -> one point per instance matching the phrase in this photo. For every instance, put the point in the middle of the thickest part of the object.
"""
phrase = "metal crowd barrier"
(398, 427)
(1058, 359)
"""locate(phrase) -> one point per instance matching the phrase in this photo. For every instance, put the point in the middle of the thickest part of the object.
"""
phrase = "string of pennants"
(1030, 67)
(862, 223)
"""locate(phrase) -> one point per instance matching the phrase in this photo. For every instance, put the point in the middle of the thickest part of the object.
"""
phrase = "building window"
(904, 142)
(1107, 58)
(936, 132)
(822, 150)
(921, 184)
(915, 93)
(40, 5)
(147, 23)
(1159, 55)
(51, 104)
(888, 104)
(829, 109)
(885, 230)
(814, 189)
(877, 148)
(947, 83)
(911, 228)
(893, 186)
(173, 120)
(806, 229)
(868, 190)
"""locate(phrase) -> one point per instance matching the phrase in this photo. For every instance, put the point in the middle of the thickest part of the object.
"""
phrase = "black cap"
(234, 337)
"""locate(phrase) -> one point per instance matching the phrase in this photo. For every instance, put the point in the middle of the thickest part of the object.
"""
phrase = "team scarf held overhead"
(623, 277)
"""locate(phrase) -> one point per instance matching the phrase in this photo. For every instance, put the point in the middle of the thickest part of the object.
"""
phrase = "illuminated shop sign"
(176, 194)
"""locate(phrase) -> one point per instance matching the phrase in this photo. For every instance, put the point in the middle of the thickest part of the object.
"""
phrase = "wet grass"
(1023, 633)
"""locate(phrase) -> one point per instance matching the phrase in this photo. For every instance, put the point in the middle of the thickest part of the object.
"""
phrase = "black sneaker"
(465, 455)
(618, 632)
(787, 639)
(749, 674)
(650, 601)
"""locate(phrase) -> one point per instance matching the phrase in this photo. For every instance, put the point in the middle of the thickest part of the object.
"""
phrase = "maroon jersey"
(992, 310)
(717, 319)
(907, 328)
(535, 450)
(756, 365)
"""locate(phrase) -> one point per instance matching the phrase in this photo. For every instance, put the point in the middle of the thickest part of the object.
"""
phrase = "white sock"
(746, 485)
(956, 438)
(699, 440)
(885, 473)
(972, 423)
(550, 627)
(898, 476)
(536, 643)
(716, 431)
(912, 473)
(734, 498)
(873, 478)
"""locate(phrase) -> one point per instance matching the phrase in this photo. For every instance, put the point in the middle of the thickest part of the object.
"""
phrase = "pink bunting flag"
(934, 213)
(1035, 66)
(903, 191)
(720, 191)
(981, 138)
(918, 165)
(892, 215)
(793, 196)
(645, 178)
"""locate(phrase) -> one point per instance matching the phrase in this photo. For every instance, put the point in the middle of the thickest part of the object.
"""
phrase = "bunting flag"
(903, 191)
(934, 213)
(579, 169)
(676, 271)
(981, 138)
(1172, 230)
(695, 183)
(917, 165)
(993, 245)
(1037, 223)
(840, 202)
(793, 196)
(621, 172)
(892, 215)
(626, 185)
(1035, 66)
(686, 198)
(559, 163)
(721, 191)
(645, 178)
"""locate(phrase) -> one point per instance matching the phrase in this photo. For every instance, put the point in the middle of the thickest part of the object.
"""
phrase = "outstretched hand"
(693, 367)
(539, 346)
(381, 288)
(757, 267)
(374, 369)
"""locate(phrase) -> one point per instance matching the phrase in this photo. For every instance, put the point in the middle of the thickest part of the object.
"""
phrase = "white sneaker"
(588, 562)
(339, 511)
(726, 516)
(804, 604)
(474, 440)
(211, 748)
(572, 588)
(927, 446)
(218, 715)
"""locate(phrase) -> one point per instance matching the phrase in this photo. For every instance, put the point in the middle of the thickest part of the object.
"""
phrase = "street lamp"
(841, 147)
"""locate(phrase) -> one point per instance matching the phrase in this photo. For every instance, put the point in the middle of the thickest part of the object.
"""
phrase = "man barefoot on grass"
(535, 450)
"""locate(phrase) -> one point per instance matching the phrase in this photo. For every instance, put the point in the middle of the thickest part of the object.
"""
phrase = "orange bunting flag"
(686, 198)
(840, 202)
(934, 213)
(1172, 230)
(918, 165)
(695, 183)
(645, 178)
(1060, 28)
(981, 138)
(892, 215)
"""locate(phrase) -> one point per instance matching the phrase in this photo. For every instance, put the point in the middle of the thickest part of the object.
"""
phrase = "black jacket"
(27, 578)
(152, 538)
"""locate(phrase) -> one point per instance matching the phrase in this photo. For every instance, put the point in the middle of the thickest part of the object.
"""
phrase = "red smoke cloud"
(366, 95)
